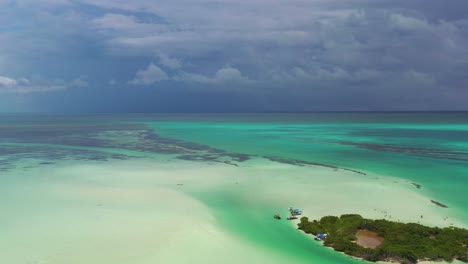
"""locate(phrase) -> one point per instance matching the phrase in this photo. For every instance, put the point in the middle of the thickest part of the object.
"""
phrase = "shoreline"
(363, 238)
(389, 261)
(223, 208)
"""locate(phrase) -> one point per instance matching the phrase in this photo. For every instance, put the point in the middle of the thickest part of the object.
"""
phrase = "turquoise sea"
(429, 151)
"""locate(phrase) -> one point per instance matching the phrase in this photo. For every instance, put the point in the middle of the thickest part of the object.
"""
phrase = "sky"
(233, 56)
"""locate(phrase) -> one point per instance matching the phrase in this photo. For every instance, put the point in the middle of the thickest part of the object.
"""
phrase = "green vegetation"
(405, 243)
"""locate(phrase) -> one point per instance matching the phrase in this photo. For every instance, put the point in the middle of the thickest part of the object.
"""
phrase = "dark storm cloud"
(278, 55)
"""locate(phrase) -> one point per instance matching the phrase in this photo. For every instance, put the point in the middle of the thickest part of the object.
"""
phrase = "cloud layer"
(37, 85)
(150, 75)
(268, 55)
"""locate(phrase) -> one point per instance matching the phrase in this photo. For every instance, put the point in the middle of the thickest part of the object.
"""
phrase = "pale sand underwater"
(167, 211)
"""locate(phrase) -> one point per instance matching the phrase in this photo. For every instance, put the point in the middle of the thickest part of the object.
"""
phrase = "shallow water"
(72, 180)
(428, 149)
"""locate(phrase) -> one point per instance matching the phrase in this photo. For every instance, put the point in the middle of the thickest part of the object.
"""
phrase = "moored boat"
(295, 211)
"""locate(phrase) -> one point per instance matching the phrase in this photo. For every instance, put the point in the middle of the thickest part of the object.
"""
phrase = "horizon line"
(242, 112)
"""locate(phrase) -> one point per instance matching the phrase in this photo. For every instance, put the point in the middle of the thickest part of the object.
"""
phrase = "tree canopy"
(403, 242)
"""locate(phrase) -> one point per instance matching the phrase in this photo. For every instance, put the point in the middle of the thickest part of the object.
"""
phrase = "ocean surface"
(426, 152)
(429, 149)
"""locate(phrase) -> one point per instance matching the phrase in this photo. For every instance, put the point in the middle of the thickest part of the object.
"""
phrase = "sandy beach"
(148, 211)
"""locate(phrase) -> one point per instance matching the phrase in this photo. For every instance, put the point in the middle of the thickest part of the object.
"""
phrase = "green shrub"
(404, 242)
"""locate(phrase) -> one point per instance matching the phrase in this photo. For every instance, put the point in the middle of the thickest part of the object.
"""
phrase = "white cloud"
(150, 75)
(224, 75)
(419, 78)
(129, 26)
(336, 44)
(153, 74)
(408, 23)
(169, 62)
(37, 85)
(229, 74)
(6, 82)
(192, 77)
(115, 21)
(79, 82)
(319, 74)
(23, 3)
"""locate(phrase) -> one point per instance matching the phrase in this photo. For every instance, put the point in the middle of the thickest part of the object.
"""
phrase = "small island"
(382, 240)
